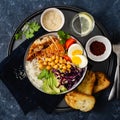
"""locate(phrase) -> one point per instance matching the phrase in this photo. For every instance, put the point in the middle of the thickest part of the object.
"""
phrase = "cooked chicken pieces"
(45, 47)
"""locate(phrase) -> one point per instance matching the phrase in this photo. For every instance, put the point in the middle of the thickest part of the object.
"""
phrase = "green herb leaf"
(32, 28)
(28, 30)
(35, 26)
(63, 36)
(18, 35)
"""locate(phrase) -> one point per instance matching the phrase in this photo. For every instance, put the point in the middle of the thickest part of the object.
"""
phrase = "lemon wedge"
(87, 23)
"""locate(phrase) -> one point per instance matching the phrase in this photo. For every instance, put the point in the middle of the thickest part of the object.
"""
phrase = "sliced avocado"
(53, 83)
(63, 88)
(50, 85)
(56, 90)
(47, 89)
(56, 82)
(50, 82)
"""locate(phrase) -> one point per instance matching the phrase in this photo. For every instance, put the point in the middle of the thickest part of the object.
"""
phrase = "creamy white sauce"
(52, 20)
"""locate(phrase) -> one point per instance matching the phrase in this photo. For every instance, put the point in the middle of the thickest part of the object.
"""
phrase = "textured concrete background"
(13, 12)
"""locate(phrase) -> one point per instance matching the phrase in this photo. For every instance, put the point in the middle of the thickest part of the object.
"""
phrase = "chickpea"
(61, 61)
(41, 66)
(60, 58)
(52, 64)
(64, 61)
(40, 61)
(63, 70)
(53, 57)
(55, 66)
(64, 67)
(48, 67)
(57, 57)
(46, 59)
(68, 66)
(60, 66)
(49, 59)
(56, 61)
(44, 63)
(49, 63)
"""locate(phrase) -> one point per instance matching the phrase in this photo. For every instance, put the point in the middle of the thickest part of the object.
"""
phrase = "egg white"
(74, 47)
(83, 60)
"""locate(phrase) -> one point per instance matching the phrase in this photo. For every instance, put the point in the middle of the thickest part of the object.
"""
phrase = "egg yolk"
(77, 52)
(76, 60)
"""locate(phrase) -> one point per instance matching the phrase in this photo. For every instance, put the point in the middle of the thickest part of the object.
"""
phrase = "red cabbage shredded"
(68, 79)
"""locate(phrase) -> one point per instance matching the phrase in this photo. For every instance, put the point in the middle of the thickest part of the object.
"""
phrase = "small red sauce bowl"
(93, 55)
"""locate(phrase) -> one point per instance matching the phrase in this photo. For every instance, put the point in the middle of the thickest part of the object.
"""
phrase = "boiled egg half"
(80, 60)
(75, 49)
(75, 52)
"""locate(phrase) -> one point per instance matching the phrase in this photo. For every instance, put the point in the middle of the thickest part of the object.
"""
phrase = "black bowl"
(36, 84)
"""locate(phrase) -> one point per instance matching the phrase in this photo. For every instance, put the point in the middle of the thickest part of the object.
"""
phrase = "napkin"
(13, 76)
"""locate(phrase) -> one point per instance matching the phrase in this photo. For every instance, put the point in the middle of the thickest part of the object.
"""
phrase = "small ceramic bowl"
(100, 53)
(52, 19)
(83, 23)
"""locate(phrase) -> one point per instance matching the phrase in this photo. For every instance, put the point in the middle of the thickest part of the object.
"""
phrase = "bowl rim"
(107, 52)
(74, 86)
(54, 9)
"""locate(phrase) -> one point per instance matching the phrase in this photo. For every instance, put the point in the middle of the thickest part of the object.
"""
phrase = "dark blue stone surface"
(13, 12)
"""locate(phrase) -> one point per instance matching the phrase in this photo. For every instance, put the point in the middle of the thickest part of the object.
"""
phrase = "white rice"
(32, 70)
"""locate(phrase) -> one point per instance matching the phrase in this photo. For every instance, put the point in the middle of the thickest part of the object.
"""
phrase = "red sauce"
(97, 48)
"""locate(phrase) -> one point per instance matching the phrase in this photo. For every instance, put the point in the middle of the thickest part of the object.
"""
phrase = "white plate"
(107, 52)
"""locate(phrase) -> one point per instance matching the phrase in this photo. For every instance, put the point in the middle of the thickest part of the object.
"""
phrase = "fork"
(116, 84)
(116, 49)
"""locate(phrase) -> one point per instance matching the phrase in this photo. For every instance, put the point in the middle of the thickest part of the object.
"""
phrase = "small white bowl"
(52, 19)
(107, 52)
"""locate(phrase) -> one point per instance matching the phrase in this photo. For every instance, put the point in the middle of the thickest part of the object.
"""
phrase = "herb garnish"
(28, 30)
(63, 36)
